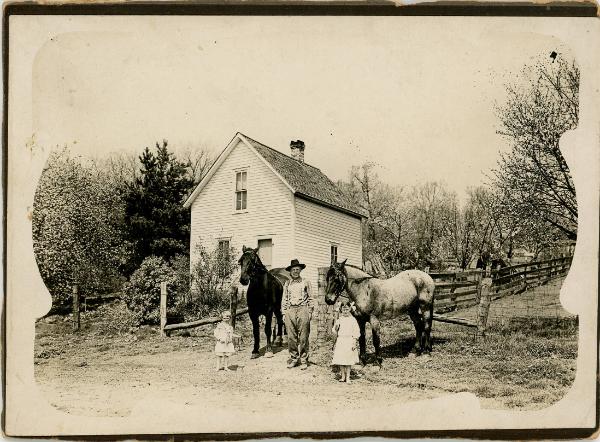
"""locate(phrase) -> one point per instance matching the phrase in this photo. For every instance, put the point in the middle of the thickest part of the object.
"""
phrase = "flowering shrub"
(142, 292)
(77, 230)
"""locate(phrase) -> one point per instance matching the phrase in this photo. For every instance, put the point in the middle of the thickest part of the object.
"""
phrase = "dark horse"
(375, 299)
(265, 290)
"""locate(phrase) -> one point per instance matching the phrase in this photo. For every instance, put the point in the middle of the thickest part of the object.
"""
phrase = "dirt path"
(109, 370)
(99, 386)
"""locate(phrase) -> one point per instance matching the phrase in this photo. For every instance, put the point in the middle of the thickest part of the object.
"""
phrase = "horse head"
(337, 278)
(249, 262)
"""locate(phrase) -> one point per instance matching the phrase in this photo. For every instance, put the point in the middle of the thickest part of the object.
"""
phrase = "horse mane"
(357, 273)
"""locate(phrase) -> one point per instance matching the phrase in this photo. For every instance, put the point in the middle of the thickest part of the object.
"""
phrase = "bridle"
(255, 264)
(338, 291)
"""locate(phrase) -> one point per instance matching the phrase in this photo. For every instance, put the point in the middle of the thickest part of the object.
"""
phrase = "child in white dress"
(345, 353)
(224, 346)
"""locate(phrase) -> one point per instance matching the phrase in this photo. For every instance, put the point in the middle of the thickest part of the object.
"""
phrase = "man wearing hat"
(297, 306)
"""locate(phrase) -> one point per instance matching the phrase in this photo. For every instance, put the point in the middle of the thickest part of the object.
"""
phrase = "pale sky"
(413, 94)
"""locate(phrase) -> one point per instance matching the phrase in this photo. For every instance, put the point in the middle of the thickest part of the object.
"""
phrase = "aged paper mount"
(27, 410)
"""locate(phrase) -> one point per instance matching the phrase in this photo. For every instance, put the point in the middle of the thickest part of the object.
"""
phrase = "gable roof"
(304, 180)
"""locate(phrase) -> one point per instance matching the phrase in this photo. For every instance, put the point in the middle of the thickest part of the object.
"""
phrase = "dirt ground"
(107, 367)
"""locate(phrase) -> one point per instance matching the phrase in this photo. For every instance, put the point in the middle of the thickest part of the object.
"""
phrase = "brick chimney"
(297, 148)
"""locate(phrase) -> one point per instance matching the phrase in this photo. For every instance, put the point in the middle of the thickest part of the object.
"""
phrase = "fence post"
(233, 301)
(76, 321)
(163, 308)
(526, 272)
(453, 291)
(485, 296)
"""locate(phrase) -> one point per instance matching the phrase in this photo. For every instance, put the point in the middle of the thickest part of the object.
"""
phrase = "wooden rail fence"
(233, 303)
(454, 290)
(457, 290)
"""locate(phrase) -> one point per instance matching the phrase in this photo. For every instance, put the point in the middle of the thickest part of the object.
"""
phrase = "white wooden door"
(265, 252)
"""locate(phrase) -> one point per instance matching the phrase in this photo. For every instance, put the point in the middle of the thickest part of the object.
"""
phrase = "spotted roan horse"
(375, 299)
(265, 291)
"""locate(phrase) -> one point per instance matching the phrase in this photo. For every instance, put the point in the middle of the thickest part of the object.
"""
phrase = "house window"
(223, 248)
(334, 254)
(241, 191)
(223, 258)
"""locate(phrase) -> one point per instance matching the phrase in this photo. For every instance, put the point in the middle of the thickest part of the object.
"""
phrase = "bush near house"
(210, 279)
(142, 292)
(203, 291)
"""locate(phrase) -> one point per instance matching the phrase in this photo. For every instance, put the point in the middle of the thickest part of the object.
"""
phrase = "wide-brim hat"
(295, 263)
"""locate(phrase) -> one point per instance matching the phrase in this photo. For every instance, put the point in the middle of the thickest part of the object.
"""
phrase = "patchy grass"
(526, 363)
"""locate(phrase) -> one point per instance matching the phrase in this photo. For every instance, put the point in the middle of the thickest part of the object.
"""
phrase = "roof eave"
(330, 206)
(211, 171)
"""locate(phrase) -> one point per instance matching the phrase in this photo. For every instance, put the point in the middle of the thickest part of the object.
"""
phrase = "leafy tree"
(460, 233)
(534, 178)
(197, 162)
(385, 231)
(120, 168)
(76, 228)
(157, 223)
(430, 209)
(393, 227)
(404, 229)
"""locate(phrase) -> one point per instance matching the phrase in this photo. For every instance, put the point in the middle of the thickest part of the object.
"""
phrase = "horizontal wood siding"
(269, 210)
(317, 227)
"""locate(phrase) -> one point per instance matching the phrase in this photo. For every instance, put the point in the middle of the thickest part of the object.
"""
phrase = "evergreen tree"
(157, 224)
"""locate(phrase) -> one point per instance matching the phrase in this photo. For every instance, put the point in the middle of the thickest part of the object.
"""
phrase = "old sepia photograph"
(250, 224)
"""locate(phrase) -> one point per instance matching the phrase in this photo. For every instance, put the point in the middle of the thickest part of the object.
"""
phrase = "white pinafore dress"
(224, 336)
(347, 335)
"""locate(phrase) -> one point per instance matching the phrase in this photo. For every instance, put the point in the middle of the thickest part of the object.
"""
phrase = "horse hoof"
(254, 356)
(277, 342)
(412, 355)
(269, 354)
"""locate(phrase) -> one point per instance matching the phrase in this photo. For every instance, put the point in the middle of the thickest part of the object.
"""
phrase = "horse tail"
(424, 286)
(425, 291)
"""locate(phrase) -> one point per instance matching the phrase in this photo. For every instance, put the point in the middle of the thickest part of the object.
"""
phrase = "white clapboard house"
(256, 196)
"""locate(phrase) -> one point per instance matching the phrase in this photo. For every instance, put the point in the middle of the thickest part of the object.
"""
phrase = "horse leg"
(417, 320)
(427, 312)
(268, 320)
(362, 341)
(376, 329)
(279, 318)
(256, 333)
